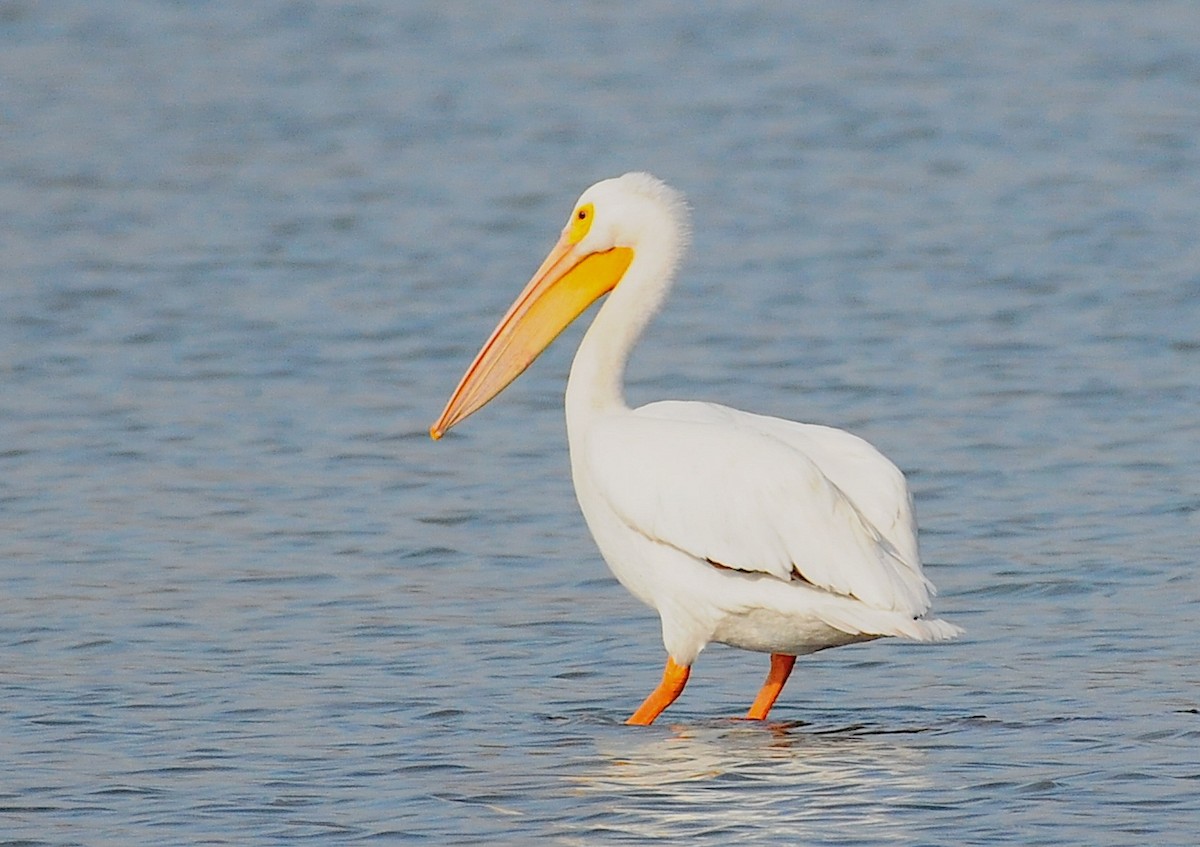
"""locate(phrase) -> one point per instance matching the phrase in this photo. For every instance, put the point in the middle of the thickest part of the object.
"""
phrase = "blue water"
(247, 250)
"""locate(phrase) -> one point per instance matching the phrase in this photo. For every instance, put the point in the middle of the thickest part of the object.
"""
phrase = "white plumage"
(753, 531)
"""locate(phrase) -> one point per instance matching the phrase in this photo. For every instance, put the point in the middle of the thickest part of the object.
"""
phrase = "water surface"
(248, 249)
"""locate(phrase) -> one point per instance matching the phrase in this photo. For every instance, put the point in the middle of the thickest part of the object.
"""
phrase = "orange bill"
(563, 287)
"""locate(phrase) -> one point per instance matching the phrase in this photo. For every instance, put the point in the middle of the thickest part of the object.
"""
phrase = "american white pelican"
(761, 533)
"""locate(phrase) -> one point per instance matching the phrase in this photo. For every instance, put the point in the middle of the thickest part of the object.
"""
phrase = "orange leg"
(674, 678)
(781, 668)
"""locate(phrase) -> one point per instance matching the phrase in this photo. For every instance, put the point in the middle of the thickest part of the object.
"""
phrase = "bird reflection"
(735, 776)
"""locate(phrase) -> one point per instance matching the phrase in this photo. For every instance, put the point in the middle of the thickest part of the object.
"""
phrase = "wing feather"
(721, 488)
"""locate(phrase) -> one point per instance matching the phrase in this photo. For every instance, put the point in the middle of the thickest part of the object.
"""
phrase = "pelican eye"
(581, 223)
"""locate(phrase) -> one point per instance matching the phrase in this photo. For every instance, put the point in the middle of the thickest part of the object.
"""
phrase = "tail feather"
(864, 620)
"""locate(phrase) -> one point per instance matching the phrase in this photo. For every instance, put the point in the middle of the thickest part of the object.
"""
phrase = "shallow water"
(248, 249)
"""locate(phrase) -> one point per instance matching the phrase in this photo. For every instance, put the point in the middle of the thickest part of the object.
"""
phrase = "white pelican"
(779, 537)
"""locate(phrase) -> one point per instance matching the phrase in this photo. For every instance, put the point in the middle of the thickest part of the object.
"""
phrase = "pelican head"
(627, 211)
(610, 224)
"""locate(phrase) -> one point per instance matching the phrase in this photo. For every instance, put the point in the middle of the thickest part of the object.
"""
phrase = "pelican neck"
(597, 380)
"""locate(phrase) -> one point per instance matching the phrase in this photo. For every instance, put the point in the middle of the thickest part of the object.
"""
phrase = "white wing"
(866, 476)
(758, 494)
